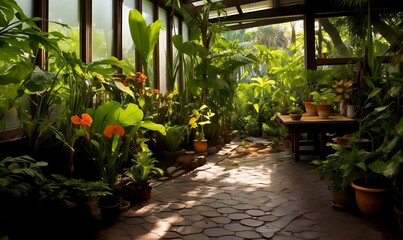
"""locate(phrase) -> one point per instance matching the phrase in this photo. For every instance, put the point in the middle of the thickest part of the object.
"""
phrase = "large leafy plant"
(144, 36)
(144, 169)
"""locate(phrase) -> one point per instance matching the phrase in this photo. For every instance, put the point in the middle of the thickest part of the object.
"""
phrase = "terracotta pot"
(370, 201)
(200, 145)
(310, 109)
(342, 199)
(294, 116)
(324, 110)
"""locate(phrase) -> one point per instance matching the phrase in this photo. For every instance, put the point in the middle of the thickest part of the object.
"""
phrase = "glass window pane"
(149, 18)
(185, 32)
(102, 29)
(66, 12)
(128, 51)
(26, 6)
(163, 16)
(344, 37)
(148, 11)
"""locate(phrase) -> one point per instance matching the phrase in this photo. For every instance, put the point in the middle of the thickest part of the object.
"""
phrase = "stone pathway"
(267, 196)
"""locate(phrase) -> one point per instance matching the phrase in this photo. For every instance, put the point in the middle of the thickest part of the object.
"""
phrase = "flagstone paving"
(267, 196)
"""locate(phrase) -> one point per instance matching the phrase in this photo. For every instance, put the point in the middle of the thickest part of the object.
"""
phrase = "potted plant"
(323, 99)
(311, 80)
(141, 172)
(198, 119)
(173, 141)
(333, 170)
(295, 113)
(343, 89)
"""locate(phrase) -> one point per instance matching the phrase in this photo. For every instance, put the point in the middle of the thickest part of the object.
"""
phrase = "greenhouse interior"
(201, 119)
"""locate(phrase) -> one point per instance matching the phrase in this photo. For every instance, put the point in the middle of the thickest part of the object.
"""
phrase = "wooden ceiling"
(252, 13)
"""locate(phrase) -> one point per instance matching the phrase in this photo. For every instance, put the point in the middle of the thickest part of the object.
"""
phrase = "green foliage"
(295, 110)
(199, 118)
(143, 168)
(324, 96)
(111, 154)
(60, 187)
(20, 176)
(144, 36)
(174, 137)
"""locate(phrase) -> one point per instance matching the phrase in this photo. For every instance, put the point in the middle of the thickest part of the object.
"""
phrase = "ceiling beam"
(281, 12)
(263, 23)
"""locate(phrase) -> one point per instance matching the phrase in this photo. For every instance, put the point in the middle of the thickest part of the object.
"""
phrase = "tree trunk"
(335, 36)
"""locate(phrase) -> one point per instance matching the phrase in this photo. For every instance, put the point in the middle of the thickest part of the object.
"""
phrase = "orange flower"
(85, 120)
(111, 130)
(156, 91)
(140, 77)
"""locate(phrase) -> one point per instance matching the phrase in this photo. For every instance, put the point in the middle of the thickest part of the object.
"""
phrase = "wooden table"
(318, 128)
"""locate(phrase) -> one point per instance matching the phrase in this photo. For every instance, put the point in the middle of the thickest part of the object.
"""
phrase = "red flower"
(85, 120)
(140, 77)
(111, 130)
(156, 91)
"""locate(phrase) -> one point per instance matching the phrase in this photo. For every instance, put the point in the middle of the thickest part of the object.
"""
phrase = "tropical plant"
(295, 110)
(337, 168)
(324, 96)
(108, 135)
(143, 168)
(144, 36)
(174, 137)
(198, 119)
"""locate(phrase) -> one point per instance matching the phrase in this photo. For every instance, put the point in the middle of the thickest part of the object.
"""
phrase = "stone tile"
(308, 235)
(236, 227)
(230, 202)
(227, 210)
(221, 220)
(176, 206)
(217, 232)
(248, 234)
(206, 223)
(255, 212)
(188, 211)
(152, 219)
(217, 205)
(187, 230)
(251, 222)
(243, 206)
(222, 196)
(229, 238)
(210, 214)
(194, 218)
(171, 235)
(195, 237)
(159, 228)
(268, 218)
(238, 216)
(203, 208)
